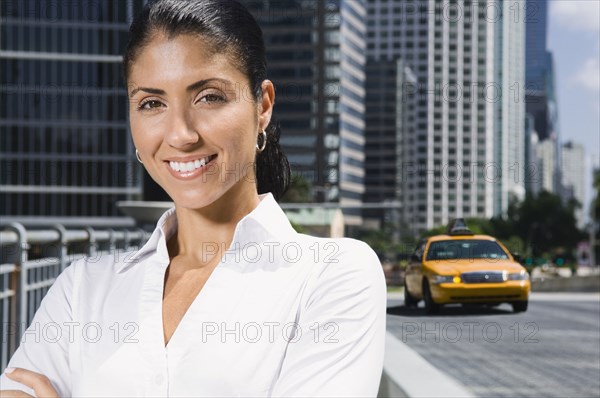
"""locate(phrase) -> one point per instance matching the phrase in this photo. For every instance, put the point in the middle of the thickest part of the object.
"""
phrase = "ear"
(266, 105)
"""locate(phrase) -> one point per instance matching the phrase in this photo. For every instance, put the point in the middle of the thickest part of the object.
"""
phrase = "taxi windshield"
(465, 249)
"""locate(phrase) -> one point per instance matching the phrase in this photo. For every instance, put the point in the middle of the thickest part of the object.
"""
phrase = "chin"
(195, 201)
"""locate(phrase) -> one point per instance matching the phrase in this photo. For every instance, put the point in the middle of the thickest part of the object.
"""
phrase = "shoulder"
(348, 252)
(345, 282)
(343, 261)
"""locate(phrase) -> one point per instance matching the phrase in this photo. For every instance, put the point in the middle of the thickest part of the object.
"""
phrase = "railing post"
(91, 242)
(127, 238)
(111, 240)
(18, 281)
(112, 247)
(62, 240)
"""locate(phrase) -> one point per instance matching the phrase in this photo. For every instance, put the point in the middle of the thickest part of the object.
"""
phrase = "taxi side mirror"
(517, 257)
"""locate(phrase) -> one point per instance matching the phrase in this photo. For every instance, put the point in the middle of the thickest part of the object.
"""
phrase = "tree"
(298, 191)
(546, 224)
(539, 226)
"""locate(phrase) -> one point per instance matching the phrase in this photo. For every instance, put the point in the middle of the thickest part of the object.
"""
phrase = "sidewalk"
(407, 374)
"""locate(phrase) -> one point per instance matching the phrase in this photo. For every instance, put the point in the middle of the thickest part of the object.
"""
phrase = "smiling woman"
(225, 299)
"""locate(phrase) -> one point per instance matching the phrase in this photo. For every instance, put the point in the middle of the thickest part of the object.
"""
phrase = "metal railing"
(30, 261)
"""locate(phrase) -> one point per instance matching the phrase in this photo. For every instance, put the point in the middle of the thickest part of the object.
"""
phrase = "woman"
(225, 299)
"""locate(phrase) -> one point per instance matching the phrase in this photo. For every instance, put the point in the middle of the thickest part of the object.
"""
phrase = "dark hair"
(227, 26)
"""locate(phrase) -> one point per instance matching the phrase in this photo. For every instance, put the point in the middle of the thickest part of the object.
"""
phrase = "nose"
(181, 131)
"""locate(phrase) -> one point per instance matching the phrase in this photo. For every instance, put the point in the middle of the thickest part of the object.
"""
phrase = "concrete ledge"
(571, 284)
(407, 374)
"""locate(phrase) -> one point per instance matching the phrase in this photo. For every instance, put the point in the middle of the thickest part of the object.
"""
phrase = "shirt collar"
(266, 221)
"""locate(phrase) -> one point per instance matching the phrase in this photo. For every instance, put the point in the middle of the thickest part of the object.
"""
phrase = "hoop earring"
(137, 155)
(262, 146)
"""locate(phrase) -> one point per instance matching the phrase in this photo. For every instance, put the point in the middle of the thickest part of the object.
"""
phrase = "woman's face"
(194, 120)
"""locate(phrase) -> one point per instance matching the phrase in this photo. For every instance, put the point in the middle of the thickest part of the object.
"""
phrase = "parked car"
(461, 267)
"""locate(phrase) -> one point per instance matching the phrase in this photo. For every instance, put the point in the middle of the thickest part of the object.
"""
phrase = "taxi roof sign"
(458, 226)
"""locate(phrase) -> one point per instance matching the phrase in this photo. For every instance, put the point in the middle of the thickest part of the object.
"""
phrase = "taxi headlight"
(437, 279)
(520, 276)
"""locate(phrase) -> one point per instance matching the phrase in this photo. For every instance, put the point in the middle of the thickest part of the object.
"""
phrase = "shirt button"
(159, 379)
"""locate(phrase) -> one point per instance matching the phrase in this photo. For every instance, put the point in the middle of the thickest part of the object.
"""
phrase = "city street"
(552, 350)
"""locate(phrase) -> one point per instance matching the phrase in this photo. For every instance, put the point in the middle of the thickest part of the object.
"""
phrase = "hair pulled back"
(227, 26)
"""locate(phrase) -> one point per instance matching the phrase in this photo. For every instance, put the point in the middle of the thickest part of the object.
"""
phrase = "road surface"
(552, 350)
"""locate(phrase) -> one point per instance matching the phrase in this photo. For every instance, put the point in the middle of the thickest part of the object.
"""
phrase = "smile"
(183, 167)
(190, 169)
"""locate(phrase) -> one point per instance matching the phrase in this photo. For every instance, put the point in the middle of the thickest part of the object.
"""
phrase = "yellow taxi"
(461, 267)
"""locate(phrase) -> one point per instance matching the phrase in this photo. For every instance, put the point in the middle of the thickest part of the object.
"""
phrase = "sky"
(574, 39)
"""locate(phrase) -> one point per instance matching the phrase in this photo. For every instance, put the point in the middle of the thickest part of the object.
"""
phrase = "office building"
(390, 125)
(65, 149)
(531, 172)
(573, 177)
(539, 69)
(540, 98)
(468, 134)
(316, 58)
(546, 166)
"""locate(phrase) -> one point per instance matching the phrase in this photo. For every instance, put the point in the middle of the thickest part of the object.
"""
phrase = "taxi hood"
(447, 267)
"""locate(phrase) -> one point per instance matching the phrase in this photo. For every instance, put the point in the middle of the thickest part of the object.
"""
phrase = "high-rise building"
(539, 70)
(316, 58)
(536, 20)
(65, 149)
(509, 115)
(390, 124)
(467, 57)
(540, 98)
(573, 177)
(531, 170)
(546, 166)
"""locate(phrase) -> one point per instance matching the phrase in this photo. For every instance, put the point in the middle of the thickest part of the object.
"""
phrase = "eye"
(212, 98)
(149, 104)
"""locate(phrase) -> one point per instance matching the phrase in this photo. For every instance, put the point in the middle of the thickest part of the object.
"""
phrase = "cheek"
(144, 135)
(239, 136)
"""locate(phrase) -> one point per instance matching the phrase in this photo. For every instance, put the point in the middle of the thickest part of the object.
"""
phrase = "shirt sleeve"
(44, 346)
(339, 343)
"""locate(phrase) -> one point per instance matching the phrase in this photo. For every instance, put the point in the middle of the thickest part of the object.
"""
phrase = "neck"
(205, 233)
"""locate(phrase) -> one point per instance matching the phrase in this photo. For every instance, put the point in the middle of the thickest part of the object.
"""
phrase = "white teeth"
(188, 166)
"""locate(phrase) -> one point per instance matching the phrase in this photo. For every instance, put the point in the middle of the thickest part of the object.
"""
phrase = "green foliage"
(379, 240)
(439, 230)
(515, 245)
(539, 227)
(299, 228)
(546, 224)
(298, 191)
(382, 243)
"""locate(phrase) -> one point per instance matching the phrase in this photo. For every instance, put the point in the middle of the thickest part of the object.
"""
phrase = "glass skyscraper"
(316, 58)
(65, 149)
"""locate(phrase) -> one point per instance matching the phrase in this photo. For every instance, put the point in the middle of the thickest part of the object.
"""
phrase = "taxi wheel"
(520, 306)
(430, 306)
(409, 300)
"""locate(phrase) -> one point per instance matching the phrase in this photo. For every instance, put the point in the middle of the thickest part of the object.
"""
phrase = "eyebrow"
(191, 87)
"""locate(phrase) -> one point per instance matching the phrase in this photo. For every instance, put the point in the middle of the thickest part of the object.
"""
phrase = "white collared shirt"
(283, 314)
